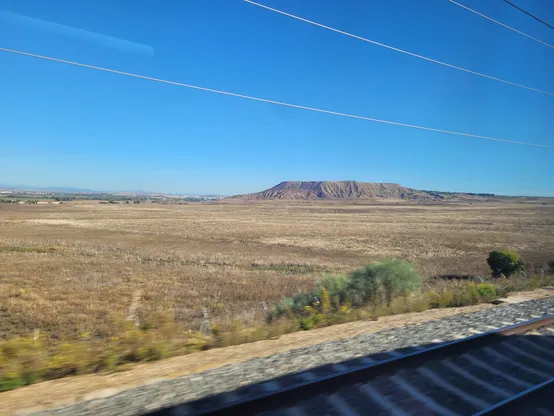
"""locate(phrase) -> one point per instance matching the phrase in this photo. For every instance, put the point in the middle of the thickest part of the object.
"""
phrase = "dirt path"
(55, 393)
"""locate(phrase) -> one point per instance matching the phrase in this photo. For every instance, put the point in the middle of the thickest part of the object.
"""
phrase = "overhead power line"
(459, 68)
(265, 100)
(529, 14)
(501, 24)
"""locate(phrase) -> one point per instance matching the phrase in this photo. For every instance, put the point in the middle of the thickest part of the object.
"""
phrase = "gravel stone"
(166, 393)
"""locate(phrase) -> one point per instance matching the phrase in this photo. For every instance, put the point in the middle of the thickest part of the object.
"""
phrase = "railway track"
(506, 371)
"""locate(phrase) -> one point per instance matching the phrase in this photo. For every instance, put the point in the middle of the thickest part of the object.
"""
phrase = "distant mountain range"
(348, 190)
(65, 189)
(71, 190)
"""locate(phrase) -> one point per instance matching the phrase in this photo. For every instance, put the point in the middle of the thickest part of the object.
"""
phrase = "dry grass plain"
(74, 268)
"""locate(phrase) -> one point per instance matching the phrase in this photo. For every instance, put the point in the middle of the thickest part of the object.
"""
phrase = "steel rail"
(521, 402)
(290, 395)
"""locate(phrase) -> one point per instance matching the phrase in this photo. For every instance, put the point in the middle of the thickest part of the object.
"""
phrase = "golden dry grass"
(74, 268)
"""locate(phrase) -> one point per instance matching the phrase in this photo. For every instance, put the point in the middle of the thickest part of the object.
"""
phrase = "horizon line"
(75, 189)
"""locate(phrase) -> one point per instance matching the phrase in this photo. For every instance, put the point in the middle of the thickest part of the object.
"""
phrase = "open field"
(75, 268)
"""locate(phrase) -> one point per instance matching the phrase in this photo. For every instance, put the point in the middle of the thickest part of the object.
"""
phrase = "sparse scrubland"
(87, 287)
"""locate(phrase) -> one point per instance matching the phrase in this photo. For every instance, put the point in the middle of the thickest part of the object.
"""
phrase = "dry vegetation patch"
(73, 268)
(95, 286)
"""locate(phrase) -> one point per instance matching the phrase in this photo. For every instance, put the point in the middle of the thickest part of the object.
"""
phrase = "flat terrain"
(77, 267)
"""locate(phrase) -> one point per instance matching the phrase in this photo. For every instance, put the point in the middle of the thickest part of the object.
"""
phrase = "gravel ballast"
(145, 399)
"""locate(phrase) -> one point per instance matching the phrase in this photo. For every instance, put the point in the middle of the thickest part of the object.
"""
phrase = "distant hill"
(298, 190)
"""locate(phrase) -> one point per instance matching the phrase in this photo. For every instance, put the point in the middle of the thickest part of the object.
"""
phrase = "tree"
(504, 262)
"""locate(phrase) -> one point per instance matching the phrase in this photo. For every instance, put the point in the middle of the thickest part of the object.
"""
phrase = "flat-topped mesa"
(308, 190)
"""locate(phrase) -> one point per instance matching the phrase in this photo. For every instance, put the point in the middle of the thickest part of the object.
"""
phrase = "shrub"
(468, 295)
(486, 291)
(335, 285)
(363, 286)
(440, 299)
(551, 267)
(375, 284)
(330, 291)
(296, 304)
(382, 281)
(325, 302)
(504, 262)
(461, 294)
(398, 278)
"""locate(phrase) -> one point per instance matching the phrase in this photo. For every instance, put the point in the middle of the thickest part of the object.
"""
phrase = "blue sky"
(63, 125)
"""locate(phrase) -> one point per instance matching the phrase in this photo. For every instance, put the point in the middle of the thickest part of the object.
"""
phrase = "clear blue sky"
(68, 126)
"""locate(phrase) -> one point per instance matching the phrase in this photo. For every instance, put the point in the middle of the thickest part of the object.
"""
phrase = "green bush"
(551, 267)
(310, 321)
(375, 284)
(398, 278)
(298, 302)
(336, 286)
(332, 287)
(486, 290)
(382, 281)
(295, 305)
(364, 286)
(504, 262)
